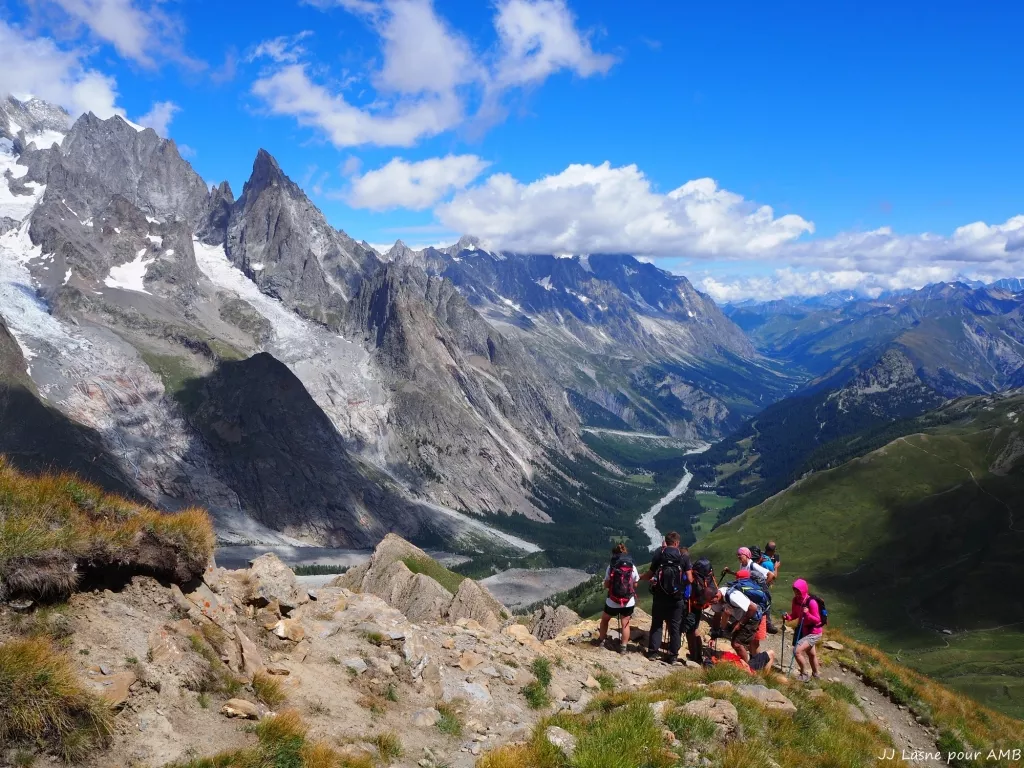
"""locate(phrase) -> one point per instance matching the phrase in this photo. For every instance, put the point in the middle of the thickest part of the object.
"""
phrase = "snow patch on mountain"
(130, 276)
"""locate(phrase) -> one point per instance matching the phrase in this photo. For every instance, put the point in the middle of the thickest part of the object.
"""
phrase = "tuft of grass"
(218, 677)
(450, 722)
(690, 729)
(204, 700)
(391, 694)
(375, 638)
(319, 708)
(430, 567)
(389, 745)
(44, 702)
(541, 668)
(268, 689)
(840, 692)
(536, 695)
(52, 521)
(23, 758)
(606, 681)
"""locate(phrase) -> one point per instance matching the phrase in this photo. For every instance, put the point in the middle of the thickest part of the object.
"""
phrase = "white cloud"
(603, 209)
(431, 75)
(283, 49)
(540, 37)
(159, 117)
(186, 151)
(38, 66)
(756, 253)
(419, 185)
(144, 35)
(350, 166)
(290, 91)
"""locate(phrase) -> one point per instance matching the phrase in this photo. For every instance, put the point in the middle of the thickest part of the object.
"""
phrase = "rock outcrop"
(418, 596)
(548, 622)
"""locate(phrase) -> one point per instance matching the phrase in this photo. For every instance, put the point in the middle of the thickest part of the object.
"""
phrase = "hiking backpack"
(620, 580)
(704, 585)
(669, 580)
(755, 554)
(822, 610)
(755, 592)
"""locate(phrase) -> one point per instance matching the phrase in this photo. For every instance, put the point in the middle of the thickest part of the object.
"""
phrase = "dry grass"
(268, 689)
(961, 720)
(283, 742)
(44, 702)
(48, 523)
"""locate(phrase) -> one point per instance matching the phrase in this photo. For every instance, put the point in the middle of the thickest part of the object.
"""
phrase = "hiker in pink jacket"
(807, 611)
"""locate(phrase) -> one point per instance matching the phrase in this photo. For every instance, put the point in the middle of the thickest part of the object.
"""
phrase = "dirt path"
(908, 734)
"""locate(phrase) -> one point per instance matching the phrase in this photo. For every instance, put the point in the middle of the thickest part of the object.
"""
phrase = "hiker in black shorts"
(670, 577)
(620, 579)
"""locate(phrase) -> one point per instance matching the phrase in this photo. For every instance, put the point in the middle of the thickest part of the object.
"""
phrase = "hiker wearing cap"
(810, 613)
(670, 576)
(620, 579)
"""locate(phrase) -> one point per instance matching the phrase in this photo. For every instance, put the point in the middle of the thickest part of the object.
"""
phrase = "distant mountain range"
(246, 355)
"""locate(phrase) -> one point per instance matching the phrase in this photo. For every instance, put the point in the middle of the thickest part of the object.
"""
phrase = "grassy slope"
(913, 539)
(53, 525)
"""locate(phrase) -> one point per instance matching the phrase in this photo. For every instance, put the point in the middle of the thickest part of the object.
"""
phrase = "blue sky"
(886, 140)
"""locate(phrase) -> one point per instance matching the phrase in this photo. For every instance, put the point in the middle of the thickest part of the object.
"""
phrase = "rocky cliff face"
(637, 346)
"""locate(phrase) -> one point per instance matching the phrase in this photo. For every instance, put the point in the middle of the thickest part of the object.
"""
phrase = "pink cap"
(743, 551)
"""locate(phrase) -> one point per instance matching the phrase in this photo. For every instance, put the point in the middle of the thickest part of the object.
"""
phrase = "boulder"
(591, 683)
(548, 622)
(356, 665)
(832, 645)
(562, 739)
(426, 718)
(216, 609)
(473, 601)
(289, 629)
(113, 688)
(252, 660)
(470, 660)
(240, 708)
(660, 708)
(769, 698)
(163, 649)
(854, 713)
(522, 636)
(721, 686)
(719, 711)
(271, 580)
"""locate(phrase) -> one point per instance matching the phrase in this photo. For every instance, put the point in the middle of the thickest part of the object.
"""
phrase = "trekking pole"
(782, 650)
(796, 637)
(619, 617)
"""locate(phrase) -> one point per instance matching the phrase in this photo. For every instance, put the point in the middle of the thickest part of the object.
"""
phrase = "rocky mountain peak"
(266, 172)
(31, 116)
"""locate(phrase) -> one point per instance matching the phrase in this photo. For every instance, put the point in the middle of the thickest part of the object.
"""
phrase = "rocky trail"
(383, 651)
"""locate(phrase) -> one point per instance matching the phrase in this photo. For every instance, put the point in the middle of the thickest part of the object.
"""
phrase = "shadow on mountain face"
(36, 438)
(284, 458)
(948, 561)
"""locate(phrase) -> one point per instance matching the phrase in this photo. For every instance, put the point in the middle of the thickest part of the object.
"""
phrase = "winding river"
(647, 519)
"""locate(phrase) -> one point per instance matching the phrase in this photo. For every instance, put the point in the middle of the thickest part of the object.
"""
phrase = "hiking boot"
(652, 655)
(670, 660)
(622, 649)
(597, 642)
(769, 625)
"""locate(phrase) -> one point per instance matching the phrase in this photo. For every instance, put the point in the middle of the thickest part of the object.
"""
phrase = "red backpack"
(620, 580)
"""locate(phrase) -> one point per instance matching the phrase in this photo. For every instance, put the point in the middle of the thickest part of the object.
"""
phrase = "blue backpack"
(754, 592)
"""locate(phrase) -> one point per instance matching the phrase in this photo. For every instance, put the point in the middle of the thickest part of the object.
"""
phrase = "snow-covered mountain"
(246, 355)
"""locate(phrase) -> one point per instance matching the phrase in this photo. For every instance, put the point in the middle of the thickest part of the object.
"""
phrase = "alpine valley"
(183, 347)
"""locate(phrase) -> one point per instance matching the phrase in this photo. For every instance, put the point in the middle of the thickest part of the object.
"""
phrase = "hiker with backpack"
(761, 569)
(620, 579)
(732, 603)
(812, 616)
(670, 577)
(703, 589)
(742, 603)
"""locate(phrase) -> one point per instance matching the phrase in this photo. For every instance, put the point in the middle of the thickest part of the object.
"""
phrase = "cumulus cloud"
(606, 209)
(145, 35)
(37, 66)
(538, 38)
(419, 185)
(159, 117)
(431, 76)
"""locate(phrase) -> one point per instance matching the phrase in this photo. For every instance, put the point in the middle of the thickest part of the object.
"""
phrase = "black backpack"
(704, 585)
(822, 610)
(620, 580)
(755, 554)
(670, 579)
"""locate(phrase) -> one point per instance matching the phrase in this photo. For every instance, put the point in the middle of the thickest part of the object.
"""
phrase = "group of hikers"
(740, 610)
